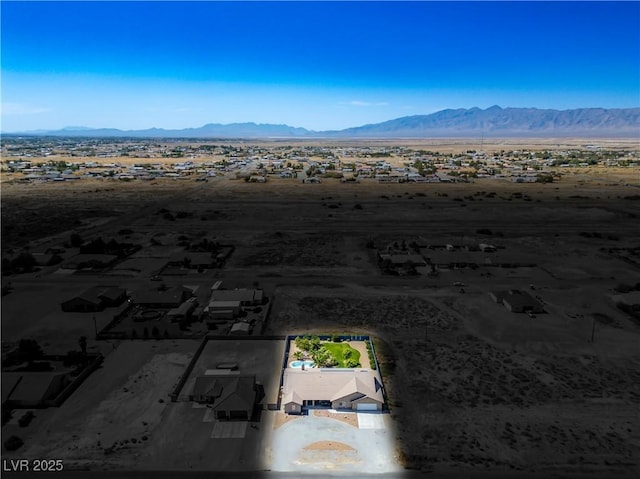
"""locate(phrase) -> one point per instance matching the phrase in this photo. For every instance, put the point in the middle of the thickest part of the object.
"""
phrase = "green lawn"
(338, 350)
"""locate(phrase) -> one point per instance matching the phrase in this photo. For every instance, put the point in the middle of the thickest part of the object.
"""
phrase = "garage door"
(367, 407)
(239, 415)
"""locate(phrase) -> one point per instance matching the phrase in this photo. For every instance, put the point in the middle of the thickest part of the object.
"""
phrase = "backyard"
(334, 353)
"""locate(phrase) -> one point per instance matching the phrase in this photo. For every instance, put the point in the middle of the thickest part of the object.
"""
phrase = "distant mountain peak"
(494, 121)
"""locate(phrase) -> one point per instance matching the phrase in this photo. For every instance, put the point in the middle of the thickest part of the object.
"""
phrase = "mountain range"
(473, 122)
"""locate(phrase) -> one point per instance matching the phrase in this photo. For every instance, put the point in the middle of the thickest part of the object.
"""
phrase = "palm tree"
(82, 342)
(299, 355)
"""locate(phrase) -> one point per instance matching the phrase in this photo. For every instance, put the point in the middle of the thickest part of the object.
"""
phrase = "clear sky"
(318, 65)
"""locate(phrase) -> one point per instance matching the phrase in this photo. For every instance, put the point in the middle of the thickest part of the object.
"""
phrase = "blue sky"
(319, 65)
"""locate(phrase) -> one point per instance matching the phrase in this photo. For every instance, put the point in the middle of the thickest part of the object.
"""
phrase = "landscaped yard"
(345, 354)
(327, 353)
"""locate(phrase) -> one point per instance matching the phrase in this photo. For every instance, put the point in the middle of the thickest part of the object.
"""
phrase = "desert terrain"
(473, 387)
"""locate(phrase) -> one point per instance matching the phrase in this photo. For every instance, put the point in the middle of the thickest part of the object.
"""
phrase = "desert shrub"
(26, 419)
(13, 443)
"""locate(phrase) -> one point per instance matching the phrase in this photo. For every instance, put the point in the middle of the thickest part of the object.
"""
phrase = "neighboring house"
(628, 299)
(517, 301)
(95, 299)
(31, 389)
(338, 388)
(171, 298)
(230, 396)
(246, 297)
(487, 248)
(223, 309)
(193, 260)
(402, 259)
(312, 179)
(184, 311)
(90, 261)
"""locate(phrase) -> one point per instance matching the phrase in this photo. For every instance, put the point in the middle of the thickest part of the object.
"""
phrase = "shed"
(241, 328)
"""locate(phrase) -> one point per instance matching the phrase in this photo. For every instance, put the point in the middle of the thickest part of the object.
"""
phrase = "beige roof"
(329, 384)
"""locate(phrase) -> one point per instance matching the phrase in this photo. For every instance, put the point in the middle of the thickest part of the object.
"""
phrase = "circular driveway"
(351, 449)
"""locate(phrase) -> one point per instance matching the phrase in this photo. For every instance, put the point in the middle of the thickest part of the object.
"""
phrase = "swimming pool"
(298, 364)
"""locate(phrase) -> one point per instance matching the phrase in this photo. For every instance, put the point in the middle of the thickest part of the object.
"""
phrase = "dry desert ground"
(472, 386)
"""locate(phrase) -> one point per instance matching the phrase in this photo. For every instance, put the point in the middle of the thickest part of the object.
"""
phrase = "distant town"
(32, 159)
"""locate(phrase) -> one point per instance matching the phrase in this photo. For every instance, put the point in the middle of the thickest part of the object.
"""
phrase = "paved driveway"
(371, 420)
(351, 449)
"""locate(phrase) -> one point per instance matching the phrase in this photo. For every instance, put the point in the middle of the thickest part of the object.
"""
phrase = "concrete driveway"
(342, 448)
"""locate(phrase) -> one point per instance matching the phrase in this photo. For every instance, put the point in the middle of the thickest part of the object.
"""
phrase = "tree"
(26, 419)
(24, 262)
(82, 342)
(351, 363)
(314, 343)
(29, 349)
(298, 355)
(75, 240)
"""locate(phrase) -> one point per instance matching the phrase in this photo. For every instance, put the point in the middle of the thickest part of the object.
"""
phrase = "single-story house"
(246, 297)
(184, 311)
(223, 309)
(170, 298)
(230, 396)
(517, 301)
(95, 299)
(92, 261)
(338, 388)
(630, 299)
(402, 259)
(31, 389)
(193, 260)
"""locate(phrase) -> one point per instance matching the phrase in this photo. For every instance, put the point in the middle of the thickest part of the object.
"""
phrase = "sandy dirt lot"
(115, 413)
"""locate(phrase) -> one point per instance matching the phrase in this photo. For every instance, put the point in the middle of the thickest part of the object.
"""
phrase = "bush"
(335, 338)
(26, 418)
(13, 443)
